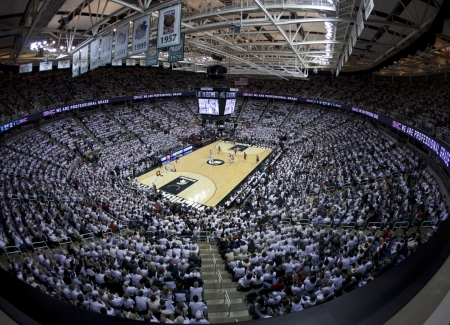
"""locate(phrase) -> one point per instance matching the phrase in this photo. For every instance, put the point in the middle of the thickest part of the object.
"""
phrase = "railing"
(440, 171)
(350, 225)
(39, 245)
(371, 225)
(401, 225)
(87, 236)
(228, 301)
(219, 279)
(304, 222)
(203, 236)
(427, 224)
(9, 250)
(72, 167)
(214, 263)
(62, 242)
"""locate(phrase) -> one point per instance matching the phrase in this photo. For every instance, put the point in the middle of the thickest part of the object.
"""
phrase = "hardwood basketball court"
(206, 183)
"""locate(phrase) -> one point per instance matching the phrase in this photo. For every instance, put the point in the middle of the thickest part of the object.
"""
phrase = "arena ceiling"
(278, 38)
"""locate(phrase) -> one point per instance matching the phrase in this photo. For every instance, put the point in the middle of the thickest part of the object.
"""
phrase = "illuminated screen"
(208, 106)
(229, 106)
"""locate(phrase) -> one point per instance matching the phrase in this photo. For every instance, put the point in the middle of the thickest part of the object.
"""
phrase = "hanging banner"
(176, 53)
(63, 64)
(76, 64)
(169, 26)
(151, 57)
(106, 49)
(368, 7)
(350, 47)
(359, 21)
(141, 34)
(131, 62)
(84, 61)
(121, 44)
(45, 66)
(94, 53)
(25, 68)
(346, 54)
(142, 63)
(354, 37)
(117, 63)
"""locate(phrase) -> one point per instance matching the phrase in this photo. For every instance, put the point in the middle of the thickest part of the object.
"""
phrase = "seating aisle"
(214, 292)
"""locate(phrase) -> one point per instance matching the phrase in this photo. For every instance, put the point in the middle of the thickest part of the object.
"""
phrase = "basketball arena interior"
(223, 161)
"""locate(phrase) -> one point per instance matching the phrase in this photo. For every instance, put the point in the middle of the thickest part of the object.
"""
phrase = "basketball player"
(245, 156)
(257, 159)
(230, 157)
(218, 149)
(211, 160)
(235, 151)
(178, 158)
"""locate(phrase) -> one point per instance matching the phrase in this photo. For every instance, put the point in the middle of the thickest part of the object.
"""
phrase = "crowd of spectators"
(69, 133)
(277, 113)
(421, 104)
(299, 230)
(10, 99)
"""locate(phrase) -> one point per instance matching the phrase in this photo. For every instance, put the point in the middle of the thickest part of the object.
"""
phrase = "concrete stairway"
(189, 110)
(288, 117)
(214, 293)
(263, 115)
(122, 126)
(87, 131)
(244, 105)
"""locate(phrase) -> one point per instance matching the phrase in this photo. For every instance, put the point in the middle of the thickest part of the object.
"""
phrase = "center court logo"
(215, 162)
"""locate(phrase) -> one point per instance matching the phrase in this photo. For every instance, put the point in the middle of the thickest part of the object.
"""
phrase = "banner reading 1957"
(169, 27)
(141, 33)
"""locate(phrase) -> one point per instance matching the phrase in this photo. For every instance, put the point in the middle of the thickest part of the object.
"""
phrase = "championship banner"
(346, 54)
(176, 53)
(151, 57)
(368, 7)
(75, 64)
(25, 68)
(169, 26)
(63, 64)
(142, 63)
(359, 21)
(84, 61)
(141, 34)
(45, 66)
(106, 49)
(350, 47)
(354, 37)
(121, 45)
(94, 53)
(131, 62)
